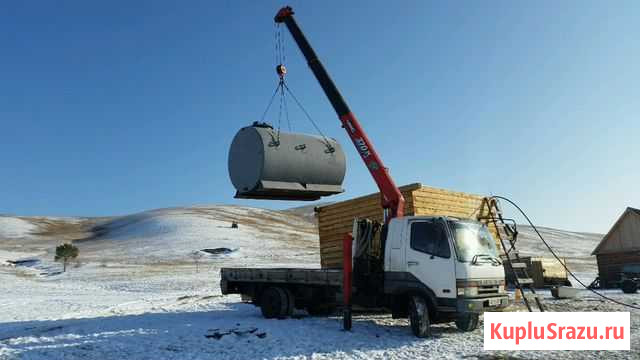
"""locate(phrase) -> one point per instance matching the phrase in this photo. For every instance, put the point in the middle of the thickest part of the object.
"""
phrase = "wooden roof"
(624, 235)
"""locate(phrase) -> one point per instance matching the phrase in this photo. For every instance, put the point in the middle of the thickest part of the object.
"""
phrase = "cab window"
(430, 237)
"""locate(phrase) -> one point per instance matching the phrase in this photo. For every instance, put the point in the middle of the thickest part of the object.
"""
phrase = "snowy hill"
(262, 237)
(166, 236)
(13, 227)
(171, 234)
(575, 247)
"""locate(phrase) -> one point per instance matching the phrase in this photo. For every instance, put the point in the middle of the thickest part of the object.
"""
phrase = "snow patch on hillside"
(175, 233)
(574, 247)
(566, 243)
(13, 227)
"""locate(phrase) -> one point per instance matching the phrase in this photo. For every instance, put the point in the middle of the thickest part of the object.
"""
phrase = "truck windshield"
(473, 242)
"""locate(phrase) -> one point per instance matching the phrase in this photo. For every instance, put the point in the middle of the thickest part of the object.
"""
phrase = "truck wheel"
(629, 287)
(419, 317)
(291, 302)
(467, 322)
(274, 303)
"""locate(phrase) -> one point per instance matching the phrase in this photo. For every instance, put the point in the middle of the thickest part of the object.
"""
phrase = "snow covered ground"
(135, 293)
(13, 227)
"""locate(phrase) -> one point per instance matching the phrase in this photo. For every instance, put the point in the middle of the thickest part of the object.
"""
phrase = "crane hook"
(281, 70)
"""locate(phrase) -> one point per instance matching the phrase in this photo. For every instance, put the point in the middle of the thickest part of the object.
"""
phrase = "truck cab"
(452, 263)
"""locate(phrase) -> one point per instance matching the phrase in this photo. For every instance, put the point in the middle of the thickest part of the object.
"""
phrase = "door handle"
(411, 263)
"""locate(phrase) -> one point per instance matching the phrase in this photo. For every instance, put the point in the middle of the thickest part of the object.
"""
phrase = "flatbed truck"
(433, 270)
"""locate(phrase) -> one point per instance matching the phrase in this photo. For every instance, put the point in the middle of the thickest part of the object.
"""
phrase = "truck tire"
(291, 302)
(419, 317)
(467, 321)
(629, 287)
(274, 303)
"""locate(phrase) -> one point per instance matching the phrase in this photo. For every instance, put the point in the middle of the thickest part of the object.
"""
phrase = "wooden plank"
(451, 200)
(346, 223)
(376, 196)
(333, 228)
(621, 258)
(349, 204)
(371, 209)
(449, 206)
(348, 218)
(444, 211)
(333, 245)
(336, 253)
(341, 217)
(335, 257)
(332, 248)
(450, 193)
(334, 241)
(337, 227)
(336, 235)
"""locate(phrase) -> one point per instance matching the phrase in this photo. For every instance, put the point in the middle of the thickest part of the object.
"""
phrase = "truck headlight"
(471, 291)
(500, 289)
(467, 288)
(468, 291)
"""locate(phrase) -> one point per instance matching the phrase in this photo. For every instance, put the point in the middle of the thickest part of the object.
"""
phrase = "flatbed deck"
(324, 277)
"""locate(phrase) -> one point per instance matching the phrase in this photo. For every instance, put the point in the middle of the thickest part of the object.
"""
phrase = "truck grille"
(488, 289)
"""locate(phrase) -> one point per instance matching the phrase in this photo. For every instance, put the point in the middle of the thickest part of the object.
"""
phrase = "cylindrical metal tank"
(266, 165)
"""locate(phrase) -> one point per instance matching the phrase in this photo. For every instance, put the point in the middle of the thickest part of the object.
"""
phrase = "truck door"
(429, 256)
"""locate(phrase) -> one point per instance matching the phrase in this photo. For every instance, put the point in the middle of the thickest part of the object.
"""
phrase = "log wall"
(610, 266)
(337, 219)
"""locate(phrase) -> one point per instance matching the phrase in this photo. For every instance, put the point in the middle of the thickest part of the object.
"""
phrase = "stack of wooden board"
(547, 271)
(335, 220)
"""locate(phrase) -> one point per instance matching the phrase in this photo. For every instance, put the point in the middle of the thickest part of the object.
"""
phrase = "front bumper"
(478, 305)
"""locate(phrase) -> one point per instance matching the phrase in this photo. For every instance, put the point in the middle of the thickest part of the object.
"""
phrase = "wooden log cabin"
(619, 249)
(336, 219)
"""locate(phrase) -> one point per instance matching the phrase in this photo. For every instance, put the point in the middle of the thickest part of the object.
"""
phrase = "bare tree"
(64, 253)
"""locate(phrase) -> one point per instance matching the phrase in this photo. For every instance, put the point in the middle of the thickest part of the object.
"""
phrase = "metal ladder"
(515, 267)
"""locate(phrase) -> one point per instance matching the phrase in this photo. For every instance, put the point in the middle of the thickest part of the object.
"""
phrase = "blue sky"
(115, 107)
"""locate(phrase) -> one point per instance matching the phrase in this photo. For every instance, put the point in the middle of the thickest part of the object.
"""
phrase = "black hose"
(560, 261)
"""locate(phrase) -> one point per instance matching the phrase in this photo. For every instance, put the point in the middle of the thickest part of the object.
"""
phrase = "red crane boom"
(392, 199)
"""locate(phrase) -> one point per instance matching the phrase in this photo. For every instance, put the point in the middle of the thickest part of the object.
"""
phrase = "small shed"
(619, 249)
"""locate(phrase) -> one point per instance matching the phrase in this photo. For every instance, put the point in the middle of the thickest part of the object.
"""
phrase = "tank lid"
(259, 124)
